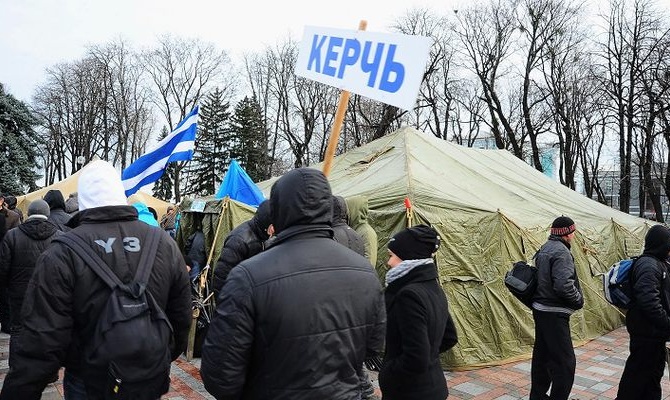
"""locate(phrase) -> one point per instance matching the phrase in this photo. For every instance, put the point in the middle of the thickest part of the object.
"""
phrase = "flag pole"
(339, 119)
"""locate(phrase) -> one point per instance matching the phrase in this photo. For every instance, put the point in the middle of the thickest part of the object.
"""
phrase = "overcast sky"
(36, 34)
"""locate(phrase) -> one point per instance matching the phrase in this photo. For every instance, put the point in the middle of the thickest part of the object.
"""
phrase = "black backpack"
(521, 281)
(131, 340)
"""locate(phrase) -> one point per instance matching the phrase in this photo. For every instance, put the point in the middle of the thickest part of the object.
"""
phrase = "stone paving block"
(523, 366)
(506, 397)
(471, 388)
(585, 382)
(606, 339)
(602, 371)
(600, 387)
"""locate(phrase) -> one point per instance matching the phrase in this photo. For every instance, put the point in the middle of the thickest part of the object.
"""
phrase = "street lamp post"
(80, 161)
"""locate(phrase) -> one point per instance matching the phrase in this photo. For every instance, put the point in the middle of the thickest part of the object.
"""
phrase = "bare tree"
(485, 32)
(541, 23)
(436, 102)
(128, 116)
(182, 72)
(624, 55)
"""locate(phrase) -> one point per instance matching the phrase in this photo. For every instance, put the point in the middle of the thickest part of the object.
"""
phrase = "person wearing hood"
(343, 233)
(66, 299)
(58, 216)
(297, 320)
(19, 252)
(357, 207)
(245, 241)
(195, 247)
(558, 295)
(144, 215)
(72, 203)
(348, 237)
(648, 319)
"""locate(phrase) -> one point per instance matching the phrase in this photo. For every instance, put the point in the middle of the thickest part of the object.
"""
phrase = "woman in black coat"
(419, 326)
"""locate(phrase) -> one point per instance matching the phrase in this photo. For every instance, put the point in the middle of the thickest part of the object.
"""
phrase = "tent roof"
(69, 185)
(434, 172)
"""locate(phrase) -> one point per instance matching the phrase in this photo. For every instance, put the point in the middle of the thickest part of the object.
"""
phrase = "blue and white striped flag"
(177, 146)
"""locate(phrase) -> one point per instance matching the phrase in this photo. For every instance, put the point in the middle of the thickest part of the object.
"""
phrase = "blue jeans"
(74, 387)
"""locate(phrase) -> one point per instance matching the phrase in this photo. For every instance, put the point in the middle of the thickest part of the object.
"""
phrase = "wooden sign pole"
(339, 119)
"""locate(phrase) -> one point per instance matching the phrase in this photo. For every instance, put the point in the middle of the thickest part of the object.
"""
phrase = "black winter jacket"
(243, 242)
(649, 313)
(65, 297)
(558, 288)
(297, 320)
(343, 233)
(20, 250)
(419, 328)
(58, 215)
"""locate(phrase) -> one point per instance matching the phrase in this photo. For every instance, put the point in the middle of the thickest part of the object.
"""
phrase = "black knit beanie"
(562, 226)
(415, 243)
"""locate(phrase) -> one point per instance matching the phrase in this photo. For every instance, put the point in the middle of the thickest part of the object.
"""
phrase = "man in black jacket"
(648, 319)
(243, 242)
(297, 320)
(65, 297)
(558, 295)
(343, 233)
(58, 216)
(19, 252)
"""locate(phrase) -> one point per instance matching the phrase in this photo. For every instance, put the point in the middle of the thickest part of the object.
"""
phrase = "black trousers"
(554, 359)
(641, 378)
(5, 311)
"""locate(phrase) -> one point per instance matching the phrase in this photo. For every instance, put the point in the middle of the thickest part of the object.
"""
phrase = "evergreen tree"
(18, 144)
(212, 152)
(164, 186)
(250, 146)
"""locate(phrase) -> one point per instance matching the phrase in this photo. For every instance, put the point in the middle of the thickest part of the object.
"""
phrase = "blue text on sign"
(332, 55)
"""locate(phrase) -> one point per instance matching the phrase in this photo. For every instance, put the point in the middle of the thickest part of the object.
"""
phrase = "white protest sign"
(382, 66)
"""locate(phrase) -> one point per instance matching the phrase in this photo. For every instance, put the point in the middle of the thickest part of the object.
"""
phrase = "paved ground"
(599, 366)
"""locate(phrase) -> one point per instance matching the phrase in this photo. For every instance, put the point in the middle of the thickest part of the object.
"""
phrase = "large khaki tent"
(69, 185)
(490, 209)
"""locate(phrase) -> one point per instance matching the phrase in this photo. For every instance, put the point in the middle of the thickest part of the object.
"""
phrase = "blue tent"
(238, 186)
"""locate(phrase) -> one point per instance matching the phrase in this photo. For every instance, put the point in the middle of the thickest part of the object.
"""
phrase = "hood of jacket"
(262, 220)
(55, 199)
(301, 197)
(144, 215)
(99, 186)
(357, 207)
(657, 242)
(38, 228)
(340, 215)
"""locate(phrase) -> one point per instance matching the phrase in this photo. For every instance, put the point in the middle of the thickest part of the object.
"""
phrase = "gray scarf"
(404, 268)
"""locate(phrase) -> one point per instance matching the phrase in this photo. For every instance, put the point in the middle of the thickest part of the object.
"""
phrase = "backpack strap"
(93, 260)
(147, 257)
(100, 267)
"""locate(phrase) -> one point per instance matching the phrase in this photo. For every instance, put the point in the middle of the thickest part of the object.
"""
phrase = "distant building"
(485, 142)
(610, 183)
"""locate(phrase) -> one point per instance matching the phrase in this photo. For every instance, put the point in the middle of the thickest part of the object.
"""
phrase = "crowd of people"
(299, 306)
